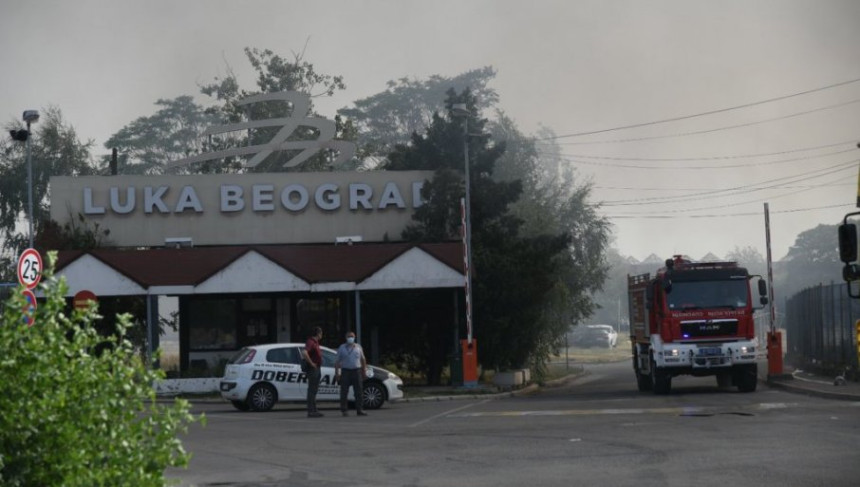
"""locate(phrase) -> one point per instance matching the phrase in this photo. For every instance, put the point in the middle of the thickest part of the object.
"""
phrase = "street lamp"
(460, 110)
(30, 116)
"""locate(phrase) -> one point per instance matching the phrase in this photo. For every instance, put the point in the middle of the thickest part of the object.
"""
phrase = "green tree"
(171, 133)
(275, 74)
(750, 258)
(148, 143)
(812, 260)
(407, 106)
(508, 319)
(554, 202)
(55, 151)
(89, 416)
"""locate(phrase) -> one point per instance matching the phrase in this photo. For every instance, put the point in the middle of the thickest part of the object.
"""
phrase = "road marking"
(680, 411)
(447, 413)
(576, 412)
(776, 405)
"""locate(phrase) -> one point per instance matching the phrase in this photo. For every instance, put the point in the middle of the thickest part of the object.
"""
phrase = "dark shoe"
(360, 413)
(344, 413)
(315, 414)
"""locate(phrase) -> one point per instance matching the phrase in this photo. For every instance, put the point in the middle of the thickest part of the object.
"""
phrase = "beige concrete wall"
(242, 209)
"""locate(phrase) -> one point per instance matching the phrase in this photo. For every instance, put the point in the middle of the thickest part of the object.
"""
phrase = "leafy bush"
(79, 409)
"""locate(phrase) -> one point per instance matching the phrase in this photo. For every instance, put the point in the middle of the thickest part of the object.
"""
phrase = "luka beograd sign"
(257, 208)
(254, 208)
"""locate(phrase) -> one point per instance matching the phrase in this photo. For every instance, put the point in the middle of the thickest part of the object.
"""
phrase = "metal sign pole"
(769, 268)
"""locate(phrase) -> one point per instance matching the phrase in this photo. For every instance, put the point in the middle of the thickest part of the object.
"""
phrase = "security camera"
(31, 116)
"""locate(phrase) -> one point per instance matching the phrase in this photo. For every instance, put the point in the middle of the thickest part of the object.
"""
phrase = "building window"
(212, 324)
(322, 312)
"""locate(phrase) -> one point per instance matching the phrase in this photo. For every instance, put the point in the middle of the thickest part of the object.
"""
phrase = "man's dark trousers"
(313, 387)
(351, 377)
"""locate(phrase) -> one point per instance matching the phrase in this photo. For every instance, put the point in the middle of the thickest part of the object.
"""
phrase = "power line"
(702, 114)
(710, 158)
(729, 205)
(630, 188)
(737, 190)
(707, 131)
(724, 166)
(723, 215)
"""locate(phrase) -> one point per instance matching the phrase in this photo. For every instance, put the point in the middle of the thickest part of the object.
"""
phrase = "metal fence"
(820, 326)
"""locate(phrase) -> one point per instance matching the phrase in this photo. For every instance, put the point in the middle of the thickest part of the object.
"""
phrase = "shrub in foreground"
(79, 409)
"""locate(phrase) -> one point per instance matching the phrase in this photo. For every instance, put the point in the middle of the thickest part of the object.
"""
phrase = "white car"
(595, 335)
(259, 376)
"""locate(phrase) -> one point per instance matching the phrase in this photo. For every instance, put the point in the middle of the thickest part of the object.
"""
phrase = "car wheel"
(374, 395)
(262, 397)
(240, 405)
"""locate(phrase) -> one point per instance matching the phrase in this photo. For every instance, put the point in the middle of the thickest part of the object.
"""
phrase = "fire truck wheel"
(747, 378)
(661, 382)
(643, 382)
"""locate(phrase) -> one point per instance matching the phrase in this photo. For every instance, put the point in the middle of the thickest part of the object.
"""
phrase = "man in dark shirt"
(313, 356)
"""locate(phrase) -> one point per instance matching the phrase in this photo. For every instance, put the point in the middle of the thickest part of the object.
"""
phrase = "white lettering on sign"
(154, 199)
(417, 200)
(231, 198)
(391, 196)
(360, 193)
(89, 207)
(188, 199)
(327, 198)
(118, 207)
(229, 209)
(263, 198)
(294, 204)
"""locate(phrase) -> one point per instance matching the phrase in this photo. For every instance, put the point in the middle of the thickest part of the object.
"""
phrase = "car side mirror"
(848, 243)
(762, 288)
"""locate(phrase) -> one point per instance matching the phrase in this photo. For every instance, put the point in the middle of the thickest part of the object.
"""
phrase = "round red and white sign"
(82, 299)
(30, 268)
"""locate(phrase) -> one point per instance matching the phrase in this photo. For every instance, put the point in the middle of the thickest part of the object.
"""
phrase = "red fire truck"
(694, 318)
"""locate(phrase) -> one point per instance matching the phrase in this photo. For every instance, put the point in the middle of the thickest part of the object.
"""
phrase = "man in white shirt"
(350, 360)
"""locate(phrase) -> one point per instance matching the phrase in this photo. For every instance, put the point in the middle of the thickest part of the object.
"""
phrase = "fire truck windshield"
(707, 294)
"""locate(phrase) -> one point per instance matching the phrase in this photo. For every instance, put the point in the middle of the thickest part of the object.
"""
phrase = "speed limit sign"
(30, 268)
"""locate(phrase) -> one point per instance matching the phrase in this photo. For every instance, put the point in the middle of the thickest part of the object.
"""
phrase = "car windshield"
(708, 294)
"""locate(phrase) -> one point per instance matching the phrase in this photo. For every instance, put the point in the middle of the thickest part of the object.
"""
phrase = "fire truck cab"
(694, 318)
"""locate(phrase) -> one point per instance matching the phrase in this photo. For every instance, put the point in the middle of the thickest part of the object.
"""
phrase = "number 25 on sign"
(30, 268)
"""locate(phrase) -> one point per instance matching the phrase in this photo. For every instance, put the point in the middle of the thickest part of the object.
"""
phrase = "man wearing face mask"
(350, 359)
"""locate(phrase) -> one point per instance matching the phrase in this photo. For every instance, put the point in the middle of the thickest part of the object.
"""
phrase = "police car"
(259, 376)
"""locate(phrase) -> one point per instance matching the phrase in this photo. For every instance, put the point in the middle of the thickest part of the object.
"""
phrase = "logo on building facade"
(300, 103)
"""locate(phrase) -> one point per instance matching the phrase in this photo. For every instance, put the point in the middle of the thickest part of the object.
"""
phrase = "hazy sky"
(572, 66)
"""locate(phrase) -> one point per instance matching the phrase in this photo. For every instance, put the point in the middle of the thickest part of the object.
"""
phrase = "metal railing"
(820, 326)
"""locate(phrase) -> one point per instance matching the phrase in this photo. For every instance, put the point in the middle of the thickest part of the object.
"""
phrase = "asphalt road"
(595, 431)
